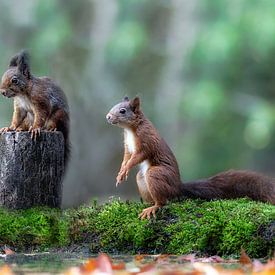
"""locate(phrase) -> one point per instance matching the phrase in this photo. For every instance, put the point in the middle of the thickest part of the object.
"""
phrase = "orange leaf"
(244, 259)
(89, 266)
(147, 268)
(5, 270)
(139, 257)
(118, 266)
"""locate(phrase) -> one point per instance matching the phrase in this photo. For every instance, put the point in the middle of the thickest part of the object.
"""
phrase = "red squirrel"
(39, 103)
(158, 178)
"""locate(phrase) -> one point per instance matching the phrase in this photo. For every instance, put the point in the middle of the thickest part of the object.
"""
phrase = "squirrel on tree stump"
(39, 103)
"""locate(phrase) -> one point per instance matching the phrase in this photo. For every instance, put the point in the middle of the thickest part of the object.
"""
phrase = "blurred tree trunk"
(179, 39)
(89, 163)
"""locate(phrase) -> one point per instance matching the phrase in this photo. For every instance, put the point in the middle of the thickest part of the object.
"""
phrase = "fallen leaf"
(118, 266)
(8, 251)
(5, 270)
(104, 264)
(147, 269)
(139, 257)
(162, 258)
(89, 266)
(244, 259)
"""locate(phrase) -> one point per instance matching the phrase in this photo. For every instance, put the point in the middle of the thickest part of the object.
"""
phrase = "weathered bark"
(31, 171)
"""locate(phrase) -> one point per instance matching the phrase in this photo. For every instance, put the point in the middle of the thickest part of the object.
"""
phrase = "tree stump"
(31, 171)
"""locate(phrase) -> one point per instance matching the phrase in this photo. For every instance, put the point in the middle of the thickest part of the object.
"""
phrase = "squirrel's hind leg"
(24, 126)
(53, 122)
(143, 188)
(158, 188)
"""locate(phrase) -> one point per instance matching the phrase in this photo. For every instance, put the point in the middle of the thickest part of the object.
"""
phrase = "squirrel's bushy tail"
(201, 189)
(230, 185)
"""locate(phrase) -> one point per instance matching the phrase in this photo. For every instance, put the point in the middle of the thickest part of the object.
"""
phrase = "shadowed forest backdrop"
(204, 70)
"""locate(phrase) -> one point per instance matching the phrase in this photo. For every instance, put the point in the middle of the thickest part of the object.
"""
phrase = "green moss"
(221, 227)
(216, 227)
(35, 227)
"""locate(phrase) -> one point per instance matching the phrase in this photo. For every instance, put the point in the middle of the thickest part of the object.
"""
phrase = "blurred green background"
(203, 69)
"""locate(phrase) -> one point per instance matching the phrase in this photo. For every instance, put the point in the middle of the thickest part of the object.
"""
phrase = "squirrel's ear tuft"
(24, 63)
(135, 104)
(14, 61)
(126, 98)
(21, 60)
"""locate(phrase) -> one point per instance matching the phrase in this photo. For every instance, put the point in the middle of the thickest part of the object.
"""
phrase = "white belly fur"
(144, 166)
(24, 103)
(130, 141)
(142, 181)
(131, 145)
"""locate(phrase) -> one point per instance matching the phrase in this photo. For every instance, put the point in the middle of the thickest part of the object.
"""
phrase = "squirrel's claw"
(6, 129)
(122, 176)
(35, 132)
(146, 213)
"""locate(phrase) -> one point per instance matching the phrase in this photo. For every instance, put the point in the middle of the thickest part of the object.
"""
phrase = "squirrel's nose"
(3, 92)
(108, 116)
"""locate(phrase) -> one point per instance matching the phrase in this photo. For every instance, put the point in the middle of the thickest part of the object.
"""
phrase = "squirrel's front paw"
(6, 129)
(122, 176)
(35, 132)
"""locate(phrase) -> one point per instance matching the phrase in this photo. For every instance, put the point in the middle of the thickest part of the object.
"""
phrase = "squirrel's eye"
(14, 80)
(122, 110)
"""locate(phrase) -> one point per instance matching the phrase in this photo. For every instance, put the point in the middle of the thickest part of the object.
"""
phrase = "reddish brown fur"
(39, 103)
(163, 165)
(161, 180)
(233, 184)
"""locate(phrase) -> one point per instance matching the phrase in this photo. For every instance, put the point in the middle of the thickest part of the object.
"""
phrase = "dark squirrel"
(158, 178)
(39, 103)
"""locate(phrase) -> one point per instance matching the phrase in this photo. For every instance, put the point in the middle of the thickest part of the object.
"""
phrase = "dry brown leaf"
(162, 259)
(89, 266)
(147, 268)
(139, 257)
(244, 259)
(118, 266)
(101, 265)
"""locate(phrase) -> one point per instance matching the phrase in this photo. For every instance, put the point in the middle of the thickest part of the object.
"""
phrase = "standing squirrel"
(39, 103)
(158, 178)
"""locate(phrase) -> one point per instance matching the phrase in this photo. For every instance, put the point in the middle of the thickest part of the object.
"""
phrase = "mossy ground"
(216, 227)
